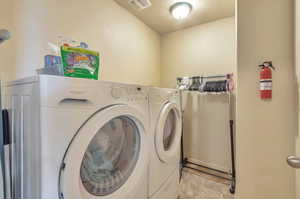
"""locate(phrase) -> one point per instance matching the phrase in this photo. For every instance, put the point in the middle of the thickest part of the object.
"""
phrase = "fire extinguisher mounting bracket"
(267, 64)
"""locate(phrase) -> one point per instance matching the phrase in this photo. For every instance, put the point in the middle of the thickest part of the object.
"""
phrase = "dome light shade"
(181, 10)
(4, 35)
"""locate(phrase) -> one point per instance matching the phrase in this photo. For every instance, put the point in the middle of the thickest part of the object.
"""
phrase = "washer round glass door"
(168, 132)
(110, 157)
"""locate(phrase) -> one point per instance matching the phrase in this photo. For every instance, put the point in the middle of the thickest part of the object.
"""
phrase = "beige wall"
(6, 48)
(130, 51)
(265, 129)
(206, 129)
(207, 49)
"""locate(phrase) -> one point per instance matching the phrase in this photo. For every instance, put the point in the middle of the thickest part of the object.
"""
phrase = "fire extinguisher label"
(266, 85)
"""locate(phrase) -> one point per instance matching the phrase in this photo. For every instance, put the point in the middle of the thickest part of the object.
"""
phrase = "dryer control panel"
(130, 93)
(172, 94)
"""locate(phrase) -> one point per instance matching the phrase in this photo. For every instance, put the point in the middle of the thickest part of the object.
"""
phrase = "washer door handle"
(294, 162)
(75, 101)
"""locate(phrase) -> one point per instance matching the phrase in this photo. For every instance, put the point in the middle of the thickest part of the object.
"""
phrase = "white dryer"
(78, 138)
(165, 137)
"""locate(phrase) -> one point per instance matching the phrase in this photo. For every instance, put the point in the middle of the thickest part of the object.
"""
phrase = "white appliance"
(165, 137)
(78, 138)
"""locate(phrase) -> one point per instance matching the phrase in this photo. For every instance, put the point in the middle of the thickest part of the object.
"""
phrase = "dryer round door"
(168, 132)
(108, 156)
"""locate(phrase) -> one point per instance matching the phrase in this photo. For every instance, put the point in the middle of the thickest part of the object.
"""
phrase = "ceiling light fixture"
(181, 10)
(4, 35)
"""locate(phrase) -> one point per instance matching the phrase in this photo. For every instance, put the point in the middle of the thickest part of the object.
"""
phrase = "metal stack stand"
(184, 161)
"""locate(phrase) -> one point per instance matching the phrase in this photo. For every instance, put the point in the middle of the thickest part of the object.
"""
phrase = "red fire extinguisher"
(266, 80)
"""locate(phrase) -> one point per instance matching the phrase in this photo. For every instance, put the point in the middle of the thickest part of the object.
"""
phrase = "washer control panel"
(132, 93)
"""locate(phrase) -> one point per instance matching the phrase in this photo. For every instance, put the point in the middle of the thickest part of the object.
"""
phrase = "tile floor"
(195, 185)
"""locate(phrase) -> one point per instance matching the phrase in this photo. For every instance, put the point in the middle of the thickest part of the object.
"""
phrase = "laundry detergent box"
(80, 62)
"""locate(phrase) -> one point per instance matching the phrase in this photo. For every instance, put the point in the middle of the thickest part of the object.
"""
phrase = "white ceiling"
(159, 18)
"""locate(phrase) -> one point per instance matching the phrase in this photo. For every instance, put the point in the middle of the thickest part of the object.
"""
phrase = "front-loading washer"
(165, 142)
(77, 138)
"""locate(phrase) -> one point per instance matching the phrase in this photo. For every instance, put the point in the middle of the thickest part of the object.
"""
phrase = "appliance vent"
(140, 4)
